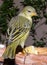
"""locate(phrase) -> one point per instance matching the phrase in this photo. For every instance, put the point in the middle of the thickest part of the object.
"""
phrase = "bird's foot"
(26, 54)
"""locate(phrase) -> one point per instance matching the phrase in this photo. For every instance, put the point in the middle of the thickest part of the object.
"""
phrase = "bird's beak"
(34, 14)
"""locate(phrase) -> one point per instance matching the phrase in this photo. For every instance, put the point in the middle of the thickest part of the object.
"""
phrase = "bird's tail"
(10, 52)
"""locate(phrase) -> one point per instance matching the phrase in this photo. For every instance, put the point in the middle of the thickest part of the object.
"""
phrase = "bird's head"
(29, 11)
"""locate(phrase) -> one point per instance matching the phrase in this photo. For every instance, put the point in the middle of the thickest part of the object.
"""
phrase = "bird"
(18, 31)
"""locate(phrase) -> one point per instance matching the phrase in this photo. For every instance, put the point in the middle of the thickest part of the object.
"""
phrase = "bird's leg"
(26, 54)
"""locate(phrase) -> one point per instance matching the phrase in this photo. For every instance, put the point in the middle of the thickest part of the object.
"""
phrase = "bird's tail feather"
(10, 52)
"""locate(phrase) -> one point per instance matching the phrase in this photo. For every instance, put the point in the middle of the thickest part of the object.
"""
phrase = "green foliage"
(7, 11)
(40, 6)
(46, 21)
(3, 24)
(39, 44)
(45, 15)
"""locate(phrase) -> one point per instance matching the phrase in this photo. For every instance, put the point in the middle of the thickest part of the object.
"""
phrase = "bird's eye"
(29, 11)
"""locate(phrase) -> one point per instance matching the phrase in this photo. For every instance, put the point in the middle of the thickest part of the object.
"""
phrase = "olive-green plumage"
(18, 30)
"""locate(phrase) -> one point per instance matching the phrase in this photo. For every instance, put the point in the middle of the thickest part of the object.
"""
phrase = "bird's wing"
(18, 30)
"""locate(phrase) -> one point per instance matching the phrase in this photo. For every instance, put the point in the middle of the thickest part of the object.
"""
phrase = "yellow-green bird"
(18, 31)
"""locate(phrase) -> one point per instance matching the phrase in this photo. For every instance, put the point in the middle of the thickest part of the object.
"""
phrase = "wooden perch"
(1, 53)
(30, 59)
